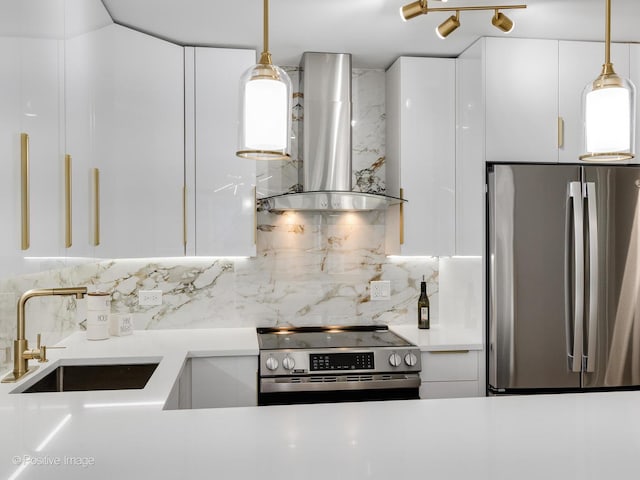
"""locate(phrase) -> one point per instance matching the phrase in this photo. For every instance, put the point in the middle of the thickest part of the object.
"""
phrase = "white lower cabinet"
(451, 374)
(224, 382)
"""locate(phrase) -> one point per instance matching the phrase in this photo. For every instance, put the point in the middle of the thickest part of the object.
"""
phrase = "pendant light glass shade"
(265, 118)
(608, 111)
(265, 107)
(609, 114)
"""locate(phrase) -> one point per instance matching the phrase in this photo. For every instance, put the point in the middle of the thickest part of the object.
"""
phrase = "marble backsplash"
(310, 269)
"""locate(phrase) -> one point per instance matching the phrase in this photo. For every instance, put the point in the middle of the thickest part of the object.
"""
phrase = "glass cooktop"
(328, 337)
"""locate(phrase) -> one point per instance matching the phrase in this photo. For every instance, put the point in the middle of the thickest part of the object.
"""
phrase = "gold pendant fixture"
(265, 107)
(420, 7)
(608, 111)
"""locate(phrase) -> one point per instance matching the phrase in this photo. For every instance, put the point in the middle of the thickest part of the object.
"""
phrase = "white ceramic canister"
(98, 313)
(98, 301)
(97, 331)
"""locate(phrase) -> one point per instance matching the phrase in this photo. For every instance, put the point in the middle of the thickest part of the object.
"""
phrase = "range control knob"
(410, 359)
(288, 363)
(395, 360)
(272, 363)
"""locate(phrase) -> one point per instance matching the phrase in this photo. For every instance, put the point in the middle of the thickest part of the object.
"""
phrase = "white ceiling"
(369, 29)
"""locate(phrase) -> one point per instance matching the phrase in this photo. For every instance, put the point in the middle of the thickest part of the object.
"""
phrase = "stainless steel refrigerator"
(563, 264)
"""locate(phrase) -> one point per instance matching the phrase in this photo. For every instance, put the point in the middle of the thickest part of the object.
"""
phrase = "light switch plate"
(380, 290)
(147, 298)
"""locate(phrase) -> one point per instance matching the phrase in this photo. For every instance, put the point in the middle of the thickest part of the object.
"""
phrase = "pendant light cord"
(266, 27)
(265, 56)
(607, 34)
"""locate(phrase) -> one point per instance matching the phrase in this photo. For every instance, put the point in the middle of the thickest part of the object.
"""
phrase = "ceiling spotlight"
(448, 26)
(502, 22)
(412, 10)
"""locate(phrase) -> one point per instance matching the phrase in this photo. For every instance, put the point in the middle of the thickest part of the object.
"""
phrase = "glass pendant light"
(608, 111)
(265, 107)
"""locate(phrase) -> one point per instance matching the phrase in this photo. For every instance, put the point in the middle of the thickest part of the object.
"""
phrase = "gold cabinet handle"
(184, 216)
(402, 217)
(96, 206)
(255, 215)
(24, 172)
(560, 132)
(68, 241)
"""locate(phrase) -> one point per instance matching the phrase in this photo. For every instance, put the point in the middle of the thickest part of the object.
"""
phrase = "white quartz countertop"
(441, 338)
(128, 435)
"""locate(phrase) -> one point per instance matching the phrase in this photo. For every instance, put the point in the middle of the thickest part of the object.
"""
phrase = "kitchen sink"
(80, 378)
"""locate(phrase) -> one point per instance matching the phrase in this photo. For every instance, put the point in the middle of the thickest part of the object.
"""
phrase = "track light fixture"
(420, 7)
(502, 22)
(448, 26)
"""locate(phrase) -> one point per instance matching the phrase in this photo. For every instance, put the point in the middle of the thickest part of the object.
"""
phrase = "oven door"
(338, 388)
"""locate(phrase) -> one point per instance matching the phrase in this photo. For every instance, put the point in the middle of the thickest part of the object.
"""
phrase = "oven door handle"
(333, 383)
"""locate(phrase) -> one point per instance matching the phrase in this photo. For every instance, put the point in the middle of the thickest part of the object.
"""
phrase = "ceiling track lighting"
(608, 111)
(421, 7)
(265, 107)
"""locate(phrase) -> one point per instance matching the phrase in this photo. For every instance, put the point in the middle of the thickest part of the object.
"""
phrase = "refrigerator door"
(532, 228)
(612, 324)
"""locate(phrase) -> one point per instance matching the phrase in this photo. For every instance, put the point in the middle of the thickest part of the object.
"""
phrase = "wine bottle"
(423, 306)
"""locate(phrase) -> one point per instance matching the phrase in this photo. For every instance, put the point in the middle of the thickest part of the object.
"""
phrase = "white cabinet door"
(10, 128)
(32, 98)
(470, 164)
(580, 63)
(521, 100)
(137, 142)
(420, 120)
(221, 186)
(42, 118)
(82, 70)
(224, 382)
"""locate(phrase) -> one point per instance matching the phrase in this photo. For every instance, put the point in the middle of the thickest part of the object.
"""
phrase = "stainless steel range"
(336, 364)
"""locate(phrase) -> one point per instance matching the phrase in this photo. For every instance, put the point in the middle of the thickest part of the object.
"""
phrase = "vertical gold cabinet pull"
(96, 206)
(24, 175)
(560, 132)
(255, 215)
(402, 217)
(184, 216)
(67, 202)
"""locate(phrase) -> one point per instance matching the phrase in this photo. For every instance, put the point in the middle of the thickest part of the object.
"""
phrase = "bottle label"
(424, 314)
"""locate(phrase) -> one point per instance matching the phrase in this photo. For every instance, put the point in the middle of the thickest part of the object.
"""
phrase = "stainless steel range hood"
(325, 142)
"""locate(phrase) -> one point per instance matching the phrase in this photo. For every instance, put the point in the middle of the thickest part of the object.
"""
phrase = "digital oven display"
(341, 361)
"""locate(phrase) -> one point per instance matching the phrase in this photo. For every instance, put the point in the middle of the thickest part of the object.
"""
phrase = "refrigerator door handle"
(574, 297)
(592, 217)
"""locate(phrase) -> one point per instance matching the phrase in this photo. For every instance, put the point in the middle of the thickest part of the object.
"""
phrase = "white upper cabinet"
(32, 99)
(220, 186)
(420, 118)
(470, 165)
(521, 99)
(126, 113)
(580, 63)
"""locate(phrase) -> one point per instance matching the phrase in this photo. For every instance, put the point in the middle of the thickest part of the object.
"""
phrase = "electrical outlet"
(380, 290)
(148, 298)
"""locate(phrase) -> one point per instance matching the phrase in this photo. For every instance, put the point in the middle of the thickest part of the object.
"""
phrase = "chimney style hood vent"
(325, 142)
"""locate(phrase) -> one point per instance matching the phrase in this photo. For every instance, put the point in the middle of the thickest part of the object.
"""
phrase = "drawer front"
(447, 366)
(449, 390)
